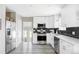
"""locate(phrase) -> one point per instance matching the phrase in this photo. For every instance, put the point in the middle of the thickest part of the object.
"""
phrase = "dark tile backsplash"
(69, 32)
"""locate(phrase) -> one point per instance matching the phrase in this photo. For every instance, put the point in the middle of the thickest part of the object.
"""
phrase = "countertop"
(67, 38)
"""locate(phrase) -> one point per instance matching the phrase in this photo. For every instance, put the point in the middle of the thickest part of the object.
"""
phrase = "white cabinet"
(35, 38)
(57, 20)
(66, 47)
(48, 20)
(38, 20)
(50, 39)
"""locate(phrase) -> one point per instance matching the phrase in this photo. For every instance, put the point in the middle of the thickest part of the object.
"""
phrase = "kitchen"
(54, 25)
(63, 32)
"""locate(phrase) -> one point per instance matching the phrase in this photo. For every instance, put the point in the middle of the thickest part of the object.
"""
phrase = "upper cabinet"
(57, 20)
(70, 16)
(48, 20)
(38, 20)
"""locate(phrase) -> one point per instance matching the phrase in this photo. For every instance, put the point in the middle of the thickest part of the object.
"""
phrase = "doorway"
(27, 35)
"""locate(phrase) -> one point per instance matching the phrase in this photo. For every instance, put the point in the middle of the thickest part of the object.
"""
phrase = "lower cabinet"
(66, 47)
(50, 39)
(52, 42)
(34, 38)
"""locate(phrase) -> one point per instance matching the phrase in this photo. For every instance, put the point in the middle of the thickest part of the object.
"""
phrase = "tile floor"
(27, 48)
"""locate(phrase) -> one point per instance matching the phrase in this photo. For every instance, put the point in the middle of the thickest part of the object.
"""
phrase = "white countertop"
(67, 38)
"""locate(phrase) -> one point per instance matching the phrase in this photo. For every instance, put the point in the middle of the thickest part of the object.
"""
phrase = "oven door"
(41, 39)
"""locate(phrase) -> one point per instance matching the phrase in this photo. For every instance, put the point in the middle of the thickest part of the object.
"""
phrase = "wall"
(2, 31)
(69, 16)
(18, 29)
(27, 19)
(27, 22)
(27, 25)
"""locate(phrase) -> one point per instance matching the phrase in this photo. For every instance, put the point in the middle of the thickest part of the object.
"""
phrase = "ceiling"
(31, 10)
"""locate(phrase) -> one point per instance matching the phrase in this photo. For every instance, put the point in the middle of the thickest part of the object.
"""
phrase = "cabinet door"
(48, 38)
(66, 47)
(34, 38)
(49, 22)
(52, 41)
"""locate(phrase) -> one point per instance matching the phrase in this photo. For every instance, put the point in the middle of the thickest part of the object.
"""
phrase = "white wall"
(18, 30)
(27, 19)
(69, 16)
(2, 31)
(27, 25)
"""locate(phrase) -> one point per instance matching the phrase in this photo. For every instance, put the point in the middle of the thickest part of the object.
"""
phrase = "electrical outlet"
(73, 32)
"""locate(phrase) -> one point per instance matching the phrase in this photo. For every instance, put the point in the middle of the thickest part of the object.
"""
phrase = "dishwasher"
(56, 45)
